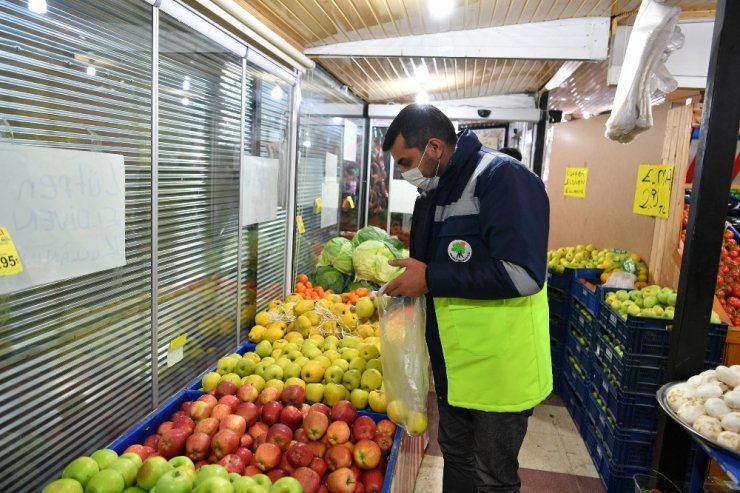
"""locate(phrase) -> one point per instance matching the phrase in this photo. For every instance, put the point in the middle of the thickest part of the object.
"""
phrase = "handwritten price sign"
(575, 182)
(10, 261)
(653, 190)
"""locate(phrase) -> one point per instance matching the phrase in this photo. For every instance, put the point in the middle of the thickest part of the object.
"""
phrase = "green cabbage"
(371, 286)
(369, 233)
(330, 278)
(337, 253)
(370, 261)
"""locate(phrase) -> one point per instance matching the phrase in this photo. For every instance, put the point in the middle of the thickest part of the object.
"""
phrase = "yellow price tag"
(575, 182)
(176, 350)
(653, 190)
(317, 205)
(299, 223)
(351, 202)
(10, 261)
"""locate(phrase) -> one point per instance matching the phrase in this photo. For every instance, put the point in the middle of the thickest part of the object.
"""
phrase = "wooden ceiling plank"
(537, 9)
(508, 10)
(378, 78)
(377, 20)
(301, 37)
(493, 13)
(335, 68)
(365, 74)
(357, 13)
(310, 14)
(407, 17)
(346, 19)
(484, 71)
(339, 30)
(298, 18)
(391, 17)
(393, 67)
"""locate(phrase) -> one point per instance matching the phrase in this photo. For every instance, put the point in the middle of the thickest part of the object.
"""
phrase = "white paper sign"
(402, 196)
(65, 211)
(259, 189)
(350, 141)
(329, 202)
(330, 170)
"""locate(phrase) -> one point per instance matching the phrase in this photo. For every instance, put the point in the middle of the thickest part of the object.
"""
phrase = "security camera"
(484, 113)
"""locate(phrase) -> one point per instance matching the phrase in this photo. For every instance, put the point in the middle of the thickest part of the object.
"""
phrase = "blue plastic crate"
(558, 281)
(557, 329)
(583, 320)
(629, 373)
(629, 447)
(243, 348)
(581, 352)
(573, 404)
(559, 305)
(579, 383)
(648, 335)
(557, 353)
(629, 409)
(151, 422)
(589, 298)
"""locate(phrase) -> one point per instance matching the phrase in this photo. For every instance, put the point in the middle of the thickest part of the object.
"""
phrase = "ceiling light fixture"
(439, 9)
(422, 98)
(185, 101)
(421, 71)
(336, 120)
(564, 72)
(37, 6)
(91, 70)
(186, 83)
(277, 92)
(306, 143)
(586, 116)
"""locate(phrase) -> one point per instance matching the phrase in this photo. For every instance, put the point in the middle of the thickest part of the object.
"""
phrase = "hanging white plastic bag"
(621, 280)
(644, 75)
(405, 360)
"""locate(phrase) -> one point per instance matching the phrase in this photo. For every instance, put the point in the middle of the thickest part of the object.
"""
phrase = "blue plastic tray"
(559, 305)
(582, 353)
(629, 409)
(578, 384)
(590, 299)
(557, 329)
(151, 422)
(584, 321)
(573, 404)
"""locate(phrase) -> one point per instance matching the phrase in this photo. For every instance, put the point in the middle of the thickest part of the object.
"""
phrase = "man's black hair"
(511, 151)
(418, 123)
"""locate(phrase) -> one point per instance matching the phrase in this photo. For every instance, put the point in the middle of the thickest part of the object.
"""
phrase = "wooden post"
(664, 264)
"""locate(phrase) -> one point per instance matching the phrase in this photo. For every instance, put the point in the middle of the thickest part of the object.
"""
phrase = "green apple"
(268, 360)
(244, 367)
(358, 398)
(371, 380)
(291, 370)
(308, 346)
(333, 393)
(331, 339)
(150, 471)
(671, 299)
(134, 489)
(314, 392)
(313, 353)
(226, 365)
(341, 363)
(106, 481)
(104, 457)
(135, 458)
(333, 374)
(244, 484)
(312, 372)
(332, 354)
(278, 384)
(273, 372)
(358, 364)
(279, 344)
(369, 351)
(301, 361)
(377, 401)
(127, 468)
(233, 378)
(364, 308)
(276, 354)
(351, 379)
(349, 353)
(65, 485)
(633, 310)
(374, 364)
(81, 469)
(350, 342)
(253, 356)
(290, 347)
(283, 361)
(257, 381)
(259, 369)
(295, 381)
(182, 461)
(210, 471)
(286, 484)
(177, 481)
(397, 411)
(262, 480)
(294, 355)
(214, 484)
(263, 349)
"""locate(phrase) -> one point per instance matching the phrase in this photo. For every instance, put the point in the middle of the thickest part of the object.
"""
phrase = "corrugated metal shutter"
(71, 347)
(200, 104)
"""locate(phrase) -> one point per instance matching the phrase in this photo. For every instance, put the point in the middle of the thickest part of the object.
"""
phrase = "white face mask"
(420, 181)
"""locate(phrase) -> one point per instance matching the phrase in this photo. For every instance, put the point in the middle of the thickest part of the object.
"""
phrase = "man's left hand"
(413, 280)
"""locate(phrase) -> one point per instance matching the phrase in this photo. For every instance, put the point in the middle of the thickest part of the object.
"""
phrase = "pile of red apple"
(276, 433)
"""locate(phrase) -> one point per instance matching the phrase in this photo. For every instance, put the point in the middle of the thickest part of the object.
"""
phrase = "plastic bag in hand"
(405, 361)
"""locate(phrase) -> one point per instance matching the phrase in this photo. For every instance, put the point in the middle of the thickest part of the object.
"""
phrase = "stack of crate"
(627, 365)
(558, 294)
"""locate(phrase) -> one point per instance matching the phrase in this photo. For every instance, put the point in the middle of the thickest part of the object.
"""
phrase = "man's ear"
(436, 148)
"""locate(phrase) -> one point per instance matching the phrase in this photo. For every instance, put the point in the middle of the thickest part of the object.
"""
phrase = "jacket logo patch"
(459, 251)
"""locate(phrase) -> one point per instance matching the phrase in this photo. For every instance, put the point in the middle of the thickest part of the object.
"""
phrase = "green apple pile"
(589, 257)
(105, 472)
(604, 410)
(574, 362)
(329, 369)
(651, 301)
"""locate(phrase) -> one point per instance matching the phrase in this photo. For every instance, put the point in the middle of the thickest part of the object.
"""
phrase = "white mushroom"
(694, 381)
(732, 399)
(729, 439)
(731, 422)
(689, 411)
(678, 394)
(708, 390)
(708, 426)
(729, 376)
(716, 407)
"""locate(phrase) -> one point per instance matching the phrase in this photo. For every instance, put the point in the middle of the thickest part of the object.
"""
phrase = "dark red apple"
(359, 487)
(267, 456)
(246, 441)
(230, 400)
(304, 409)
(343, 480)
(268, 394)
(209, 426)
(142, 451)
(343, 411)
(300, 435)
(251, 470)
(232, 463)
(364, 427)
(276, 474)
(172, 443)
(260, 440)
(220, 411)
(245, 454)
(271, 412)
(235, 423)
(225, 387)
(321, 408)
(198, 446)
(257, 429)
(185, 407)
(249, 411)
(224, 442)
(247, 393)
(184, 423)
(319, 465)
(280, 435)
(285, 465)
(338, 456)
(293, 395)
(373, 481)
(176, 415)
(309, 479)
(319, 449)
(387, 426)
(200, 464)
(291, 417)
(152, 441)
(299, 455)
(166, 426)
(323, 489)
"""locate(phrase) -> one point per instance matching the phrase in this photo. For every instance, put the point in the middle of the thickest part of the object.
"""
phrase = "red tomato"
(732, 241)
(729, 234)
(734, 302)
(736, 321)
